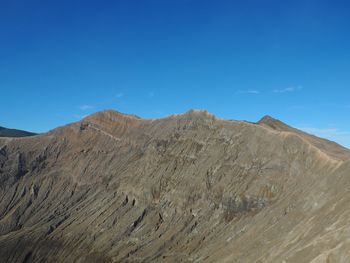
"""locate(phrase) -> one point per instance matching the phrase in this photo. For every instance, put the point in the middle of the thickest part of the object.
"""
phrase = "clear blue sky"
(61, 60)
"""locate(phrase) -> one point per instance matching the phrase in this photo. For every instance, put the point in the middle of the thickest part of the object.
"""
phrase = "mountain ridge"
(331, 148)
(6, 132)
(189, 187)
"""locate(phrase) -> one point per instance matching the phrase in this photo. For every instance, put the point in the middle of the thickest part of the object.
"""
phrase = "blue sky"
(61, 60)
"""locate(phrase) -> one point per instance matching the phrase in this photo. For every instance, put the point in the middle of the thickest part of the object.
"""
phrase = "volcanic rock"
(185, 188)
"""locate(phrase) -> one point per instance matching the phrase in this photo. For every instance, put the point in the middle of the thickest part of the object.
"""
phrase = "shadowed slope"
(4, 132)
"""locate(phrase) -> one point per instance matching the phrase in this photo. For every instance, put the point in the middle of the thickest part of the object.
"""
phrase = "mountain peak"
(273, 123)
(109, 115)
(326, 146)
(199, 112)
(266, 118)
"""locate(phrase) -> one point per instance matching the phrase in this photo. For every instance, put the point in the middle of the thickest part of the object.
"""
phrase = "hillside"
(185, 188)
(5, 132)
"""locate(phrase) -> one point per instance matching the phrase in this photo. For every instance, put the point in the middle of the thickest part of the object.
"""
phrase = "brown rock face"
(186, 188)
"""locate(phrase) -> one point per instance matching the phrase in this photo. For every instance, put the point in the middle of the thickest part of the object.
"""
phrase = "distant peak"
(5, 132)
(197, 111)
(114, 112)
(266, 118)
(109, 114)
(273, 123)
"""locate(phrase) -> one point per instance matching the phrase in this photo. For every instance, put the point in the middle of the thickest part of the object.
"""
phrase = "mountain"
(4, 132)
(331, 148)
(185, 188)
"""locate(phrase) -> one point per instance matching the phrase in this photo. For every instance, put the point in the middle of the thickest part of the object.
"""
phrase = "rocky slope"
(186, 188)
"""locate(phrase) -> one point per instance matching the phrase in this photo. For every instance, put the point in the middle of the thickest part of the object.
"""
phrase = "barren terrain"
(185, 188)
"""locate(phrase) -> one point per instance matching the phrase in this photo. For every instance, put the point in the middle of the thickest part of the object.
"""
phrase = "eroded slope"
(190, 188)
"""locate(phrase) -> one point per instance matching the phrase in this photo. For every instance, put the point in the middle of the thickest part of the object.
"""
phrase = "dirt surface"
(186, 188)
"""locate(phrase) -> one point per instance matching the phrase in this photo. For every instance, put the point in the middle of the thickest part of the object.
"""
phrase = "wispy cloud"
(284, 90)
(79, 116)
(248, 92)
(119, 95)
(333, 134)
(288, 89)
(86, 107)
(325, 131)
(151, 94)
